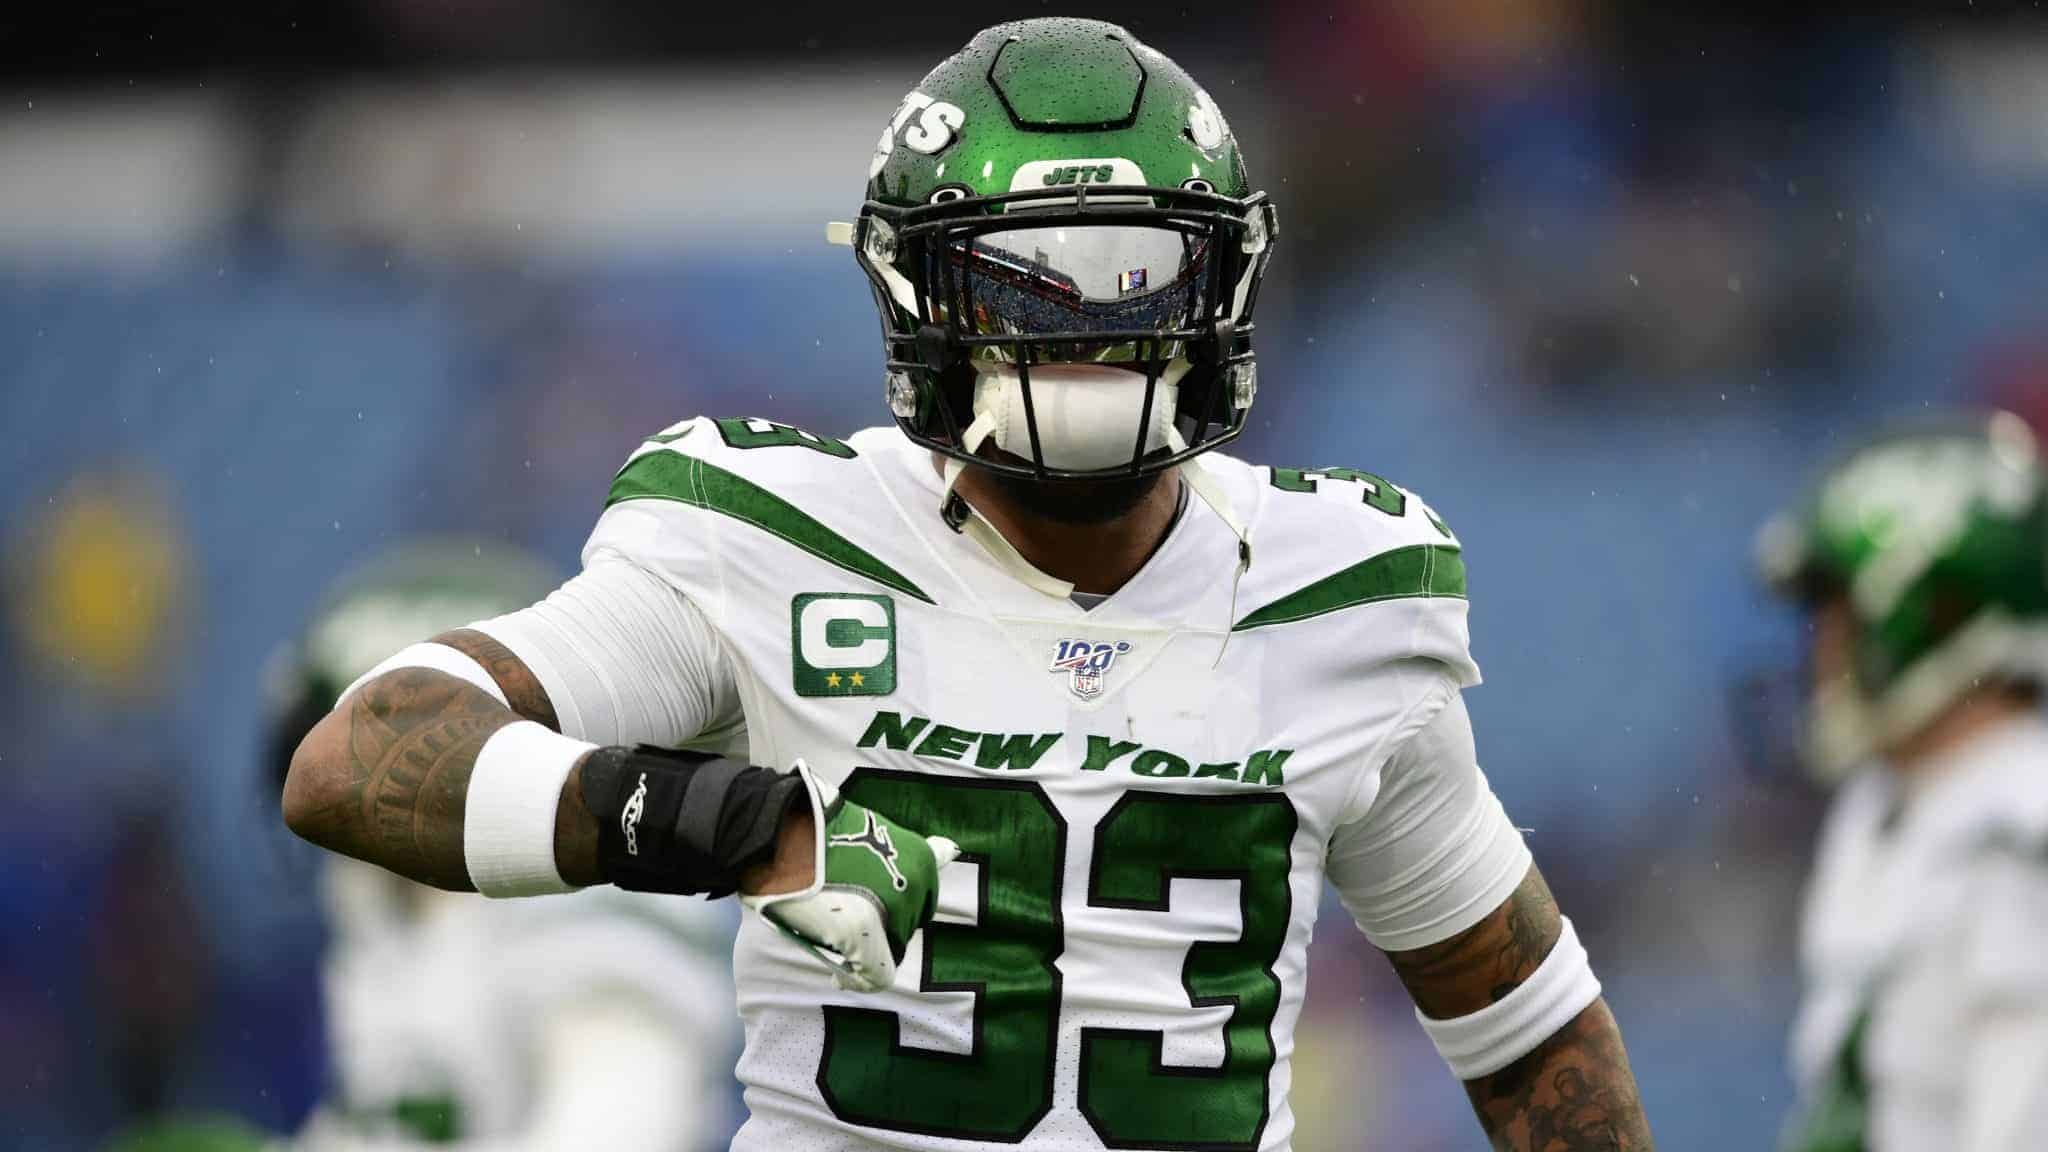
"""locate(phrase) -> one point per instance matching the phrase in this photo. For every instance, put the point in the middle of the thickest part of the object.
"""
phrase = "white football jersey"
(436, 1003)
(1924, 951)
(1145, 792)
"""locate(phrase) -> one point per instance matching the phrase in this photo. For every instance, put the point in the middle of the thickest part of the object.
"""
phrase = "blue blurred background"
(282, 288)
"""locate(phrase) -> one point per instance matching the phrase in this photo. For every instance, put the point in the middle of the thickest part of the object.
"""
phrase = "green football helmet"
(1935, 539)
(1066, 251)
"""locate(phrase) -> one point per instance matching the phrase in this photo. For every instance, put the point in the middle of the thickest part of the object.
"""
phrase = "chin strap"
(1212, 494)
(1012, 561)
(951, 506)
(1205, 486)
(962, 518)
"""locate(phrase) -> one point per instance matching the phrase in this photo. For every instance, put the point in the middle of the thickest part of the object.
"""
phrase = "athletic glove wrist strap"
(682, 822)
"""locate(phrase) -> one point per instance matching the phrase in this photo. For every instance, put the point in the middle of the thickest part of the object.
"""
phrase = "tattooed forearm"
(575, 827)
(521, 688)
(1574, 1093)
(385, 778)
(1485, 962)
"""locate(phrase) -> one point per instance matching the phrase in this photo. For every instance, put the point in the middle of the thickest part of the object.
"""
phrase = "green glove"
(878, 886)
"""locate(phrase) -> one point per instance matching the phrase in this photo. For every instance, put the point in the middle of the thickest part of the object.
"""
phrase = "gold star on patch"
(858, 679)
(831, 679)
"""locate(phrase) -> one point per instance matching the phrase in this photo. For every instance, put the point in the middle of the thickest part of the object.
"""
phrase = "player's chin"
(1072, 501)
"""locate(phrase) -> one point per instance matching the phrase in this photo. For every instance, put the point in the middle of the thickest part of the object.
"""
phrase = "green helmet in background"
(399, 598)
(1065, 250)
(1935, 539)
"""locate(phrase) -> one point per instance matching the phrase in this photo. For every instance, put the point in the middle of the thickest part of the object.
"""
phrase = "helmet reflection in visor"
(1080, 279)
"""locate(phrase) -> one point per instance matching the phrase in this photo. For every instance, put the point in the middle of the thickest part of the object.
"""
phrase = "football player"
(601, 1020)
(1922, 562)
(1137, 699)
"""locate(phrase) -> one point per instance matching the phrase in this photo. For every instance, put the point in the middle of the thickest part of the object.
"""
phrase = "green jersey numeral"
(1378, 492)
(755, 432)
(1017, 839)
(1011, 831)
(1131, 1098)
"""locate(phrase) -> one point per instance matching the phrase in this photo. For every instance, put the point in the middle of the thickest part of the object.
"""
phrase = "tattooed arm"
(1434, 848)
(384, 777)
(1574, 1092)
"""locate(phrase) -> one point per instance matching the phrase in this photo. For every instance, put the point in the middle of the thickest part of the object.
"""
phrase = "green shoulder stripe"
(688, 480)
(1424, 570)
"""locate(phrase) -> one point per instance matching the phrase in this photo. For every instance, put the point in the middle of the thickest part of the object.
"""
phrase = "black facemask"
(1076, 502)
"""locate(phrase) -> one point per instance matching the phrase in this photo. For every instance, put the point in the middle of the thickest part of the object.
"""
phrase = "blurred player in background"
(510, 1025)
(1922, 561)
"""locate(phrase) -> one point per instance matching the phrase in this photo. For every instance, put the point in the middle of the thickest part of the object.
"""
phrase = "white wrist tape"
(1503, 1032)
(439, 657)
(508, 818)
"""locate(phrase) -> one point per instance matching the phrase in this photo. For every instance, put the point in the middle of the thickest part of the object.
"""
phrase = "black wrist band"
(683, 822)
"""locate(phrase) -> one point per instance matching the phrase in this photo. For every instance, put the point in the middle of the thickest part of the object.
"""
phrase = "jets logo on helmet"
(1205, 121)
(937, 121)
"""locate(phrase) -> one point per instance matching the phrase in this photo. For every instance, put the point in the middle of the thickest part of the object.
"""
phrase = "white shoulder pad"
(710, 497)
(1377, 570)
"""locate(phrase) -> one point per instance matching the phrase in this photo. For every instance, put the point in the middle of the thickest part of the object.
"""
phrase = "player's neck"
(1094, 557)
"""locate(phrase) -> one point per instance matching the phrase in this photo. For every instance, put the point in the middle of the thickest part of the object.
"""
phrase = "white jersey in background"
(1148, 794)
(600, 1019)
(1925, 954)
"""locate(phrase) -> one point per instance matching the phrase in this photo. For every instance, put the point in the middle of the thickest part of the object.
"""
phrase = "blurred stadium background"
(280, 289)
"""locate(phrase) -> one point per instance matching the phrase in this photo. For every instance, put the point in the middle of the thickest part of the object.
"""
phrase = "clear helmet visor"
(1081, 279)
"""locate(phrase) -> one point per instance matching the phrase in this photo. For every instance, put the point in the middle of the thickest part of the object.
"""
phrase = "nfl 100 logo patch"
(1086, 663)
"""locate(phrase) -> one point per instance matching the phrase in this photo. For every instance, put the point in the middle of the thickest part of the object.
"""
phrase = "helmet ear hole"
(1198, 185)
(947, 194)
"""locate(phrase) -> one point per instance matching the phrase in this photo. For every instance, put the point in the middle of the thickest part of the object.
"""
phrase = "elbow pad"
(682, 822)
(1503, 1032)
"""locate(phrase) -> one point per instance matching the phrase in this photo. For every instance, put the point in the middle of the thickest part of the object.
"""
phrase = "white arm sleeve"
(625, 658)
(1435, 853)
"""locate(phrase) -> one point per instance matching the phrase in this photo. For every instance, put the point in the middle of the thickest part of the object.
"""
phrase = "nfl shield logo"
(1086, 663)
